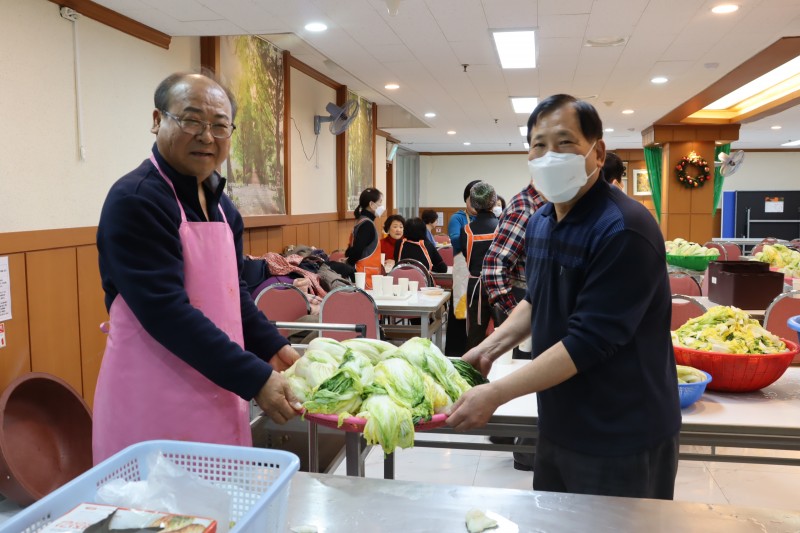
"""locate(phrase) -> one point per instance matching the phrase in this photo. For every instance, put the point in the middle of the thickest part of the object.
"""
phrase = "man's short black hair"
(469, 188)
(613, 167)
(591, 125)
(429, 216)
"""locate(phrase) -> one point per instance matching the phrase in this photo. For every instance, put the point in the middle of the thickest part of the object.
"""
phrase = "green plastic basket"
(692, 262)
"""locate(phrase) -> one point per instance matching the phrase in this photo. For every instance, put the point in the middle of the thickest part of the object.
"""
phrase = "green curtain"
(719, 180)
(652, 158)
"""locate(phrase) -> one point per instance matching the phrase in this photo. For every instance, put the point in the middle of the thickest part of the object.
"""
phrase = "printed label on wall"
(5, 290)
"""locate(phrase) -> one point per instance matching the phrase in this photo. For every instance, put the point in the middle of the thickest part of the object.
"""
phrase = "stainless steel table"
(346, 504)
(765, 419)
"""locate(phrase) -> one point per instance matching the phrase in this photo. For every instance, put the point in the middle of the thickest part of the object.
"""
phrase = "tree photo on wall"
(253, 69)
(360, 172)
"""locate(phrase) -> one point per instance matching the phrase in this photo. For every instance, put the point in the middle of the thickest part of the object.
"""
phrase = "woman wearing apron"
(476, 237)
(364, 251)
(187, 348)
(415, 246)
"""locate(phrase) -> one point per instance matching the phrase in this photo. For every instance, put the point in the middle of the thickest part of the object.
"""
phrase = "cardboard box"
(86, 514)
(748, 285)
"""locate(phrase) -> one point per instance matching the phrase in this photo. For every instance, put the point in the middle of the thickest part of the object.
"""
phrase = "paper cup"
(388, 286)
(361, 279)
(413, 286)
(377, 285)
(383, 258)
(402, 286)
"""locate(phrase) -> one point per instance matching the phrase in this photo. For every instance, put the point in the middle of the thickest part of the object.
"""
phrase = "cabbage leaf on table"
(727, 329)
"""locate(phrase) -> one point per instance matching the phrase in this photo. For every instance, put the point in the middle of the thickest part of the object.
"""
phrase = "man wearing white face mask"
(603, 367)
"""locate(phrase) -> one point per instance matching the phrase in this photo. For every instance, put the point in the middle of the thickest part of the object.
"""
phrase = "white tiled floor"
(752, 485)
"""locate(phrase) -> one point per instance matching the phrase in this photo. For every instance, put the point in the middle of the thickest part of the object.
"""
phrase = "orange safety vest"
(421, 244)
(370, 263)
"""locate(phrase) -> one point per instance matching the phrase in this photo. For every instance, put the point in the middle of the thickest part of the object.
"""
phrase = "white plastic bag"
(460, 277)
(173, 489)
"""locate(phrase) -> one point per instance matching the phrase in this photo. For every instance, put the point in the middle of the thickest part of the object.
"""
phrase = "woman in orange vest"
(364, 251)
(476, 237)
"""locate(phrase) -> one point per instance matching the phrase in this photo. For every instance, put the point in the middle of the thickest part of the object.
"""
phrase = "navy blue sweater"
(597, 280)
(141, 259)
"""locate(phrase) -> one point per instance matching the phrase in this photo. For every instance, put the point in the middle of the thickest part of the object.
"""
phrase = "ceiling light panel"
(773, 77)
(516, 49)
(524, 104)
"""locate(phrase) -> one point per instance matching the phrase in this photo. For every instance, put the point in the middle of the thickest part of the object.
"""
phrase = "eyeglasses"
(198, 127)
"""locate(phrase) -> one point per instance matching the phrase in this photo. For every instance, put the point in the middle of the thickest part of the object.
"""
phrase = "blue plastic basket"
(256, 478)
(794, 323)
(691, 392)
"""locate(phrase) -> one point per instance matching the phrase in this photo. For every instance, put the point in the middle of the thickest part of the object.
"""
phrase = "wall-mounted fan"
(339, 117)
(729, 163)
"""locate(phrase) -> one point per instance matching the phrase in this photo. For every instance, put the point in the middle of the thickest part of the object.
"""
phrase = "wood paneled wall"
(57, 300)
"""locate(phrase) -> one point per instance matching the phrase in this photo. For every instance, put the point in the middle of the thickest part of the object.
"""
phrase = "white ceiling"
(424, 46)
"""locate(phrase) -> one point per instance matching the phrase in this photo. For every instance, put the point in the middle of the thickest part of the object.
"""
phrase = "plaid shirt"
(504, 264)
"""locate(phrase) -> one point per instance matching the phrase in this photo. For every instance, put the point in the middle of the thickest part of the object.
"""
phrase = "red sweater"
(387, 246)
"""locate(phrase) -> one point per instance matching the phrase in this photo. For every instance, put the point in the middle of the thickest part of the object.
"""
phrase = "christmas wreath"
(697, 162)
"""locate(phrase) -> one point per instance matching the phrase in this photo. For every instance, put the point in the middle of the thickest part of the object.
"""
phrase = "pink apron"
(144, 391)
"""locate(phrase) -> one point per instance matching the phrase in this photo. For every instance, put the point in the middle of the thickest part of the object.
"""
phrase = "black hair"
(392, 218)
(469, 188)
(502, 201)
(429, 216)
(414, 229)
(161, 98)
(370, 194)
(613, 167)
(591, 125)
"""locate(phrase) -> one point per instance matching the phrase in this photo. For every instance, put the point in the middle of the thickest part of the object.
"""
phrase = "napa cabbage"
(388, 423)
(727, 329)
(426, 356)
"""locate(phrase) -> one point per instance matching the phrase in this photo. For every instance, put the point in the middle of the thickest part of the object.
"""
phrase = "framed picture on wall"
(641, 183)
(625, 185)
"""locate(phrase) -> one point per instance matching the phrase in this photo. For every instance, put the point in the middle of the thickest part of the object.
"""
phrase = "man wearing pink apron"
(187, 348)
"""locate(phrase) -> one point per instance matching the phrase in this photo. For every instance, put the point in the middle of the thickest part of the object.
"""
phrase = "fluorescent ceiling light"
(316, 26)
(523, 130)
(762, 83)
(791, 143)
(659, 80)
(524, 105)
(724, 8)
(517, 49)
(451, 132)
(467, 143)
(608, 130)
(430, 114)
(776, 127)
(627, 111)
(527, 146)
(391, 86)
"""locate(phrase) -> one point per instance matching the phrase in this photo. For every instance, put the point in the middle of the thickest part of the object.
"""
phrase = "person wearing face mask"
(603, 369)
(475, 240)
(613, 170)
(364, 251)
(455, 343)
(499, 207)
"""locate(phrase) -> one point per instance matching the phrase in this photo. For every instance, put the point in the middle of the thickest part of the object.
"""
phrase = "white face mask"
(497, 210)
(559, 177)
(380, 210)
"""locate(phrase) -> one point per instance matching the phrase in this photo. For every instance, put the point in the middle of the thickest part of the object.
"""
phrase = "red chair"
(783, 307)
(414, 271)
(757, 248)
(732, 251)
(704, 284)
(683, 309)
(282, 302)
(683, 284)
(447, 255)
(349, 305)
(442, 238)
(723, 254)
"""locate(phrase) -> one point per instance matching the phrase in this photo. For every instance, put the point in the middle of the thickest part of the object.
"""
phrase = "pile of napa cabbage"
(391, 387)
(727, 330)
